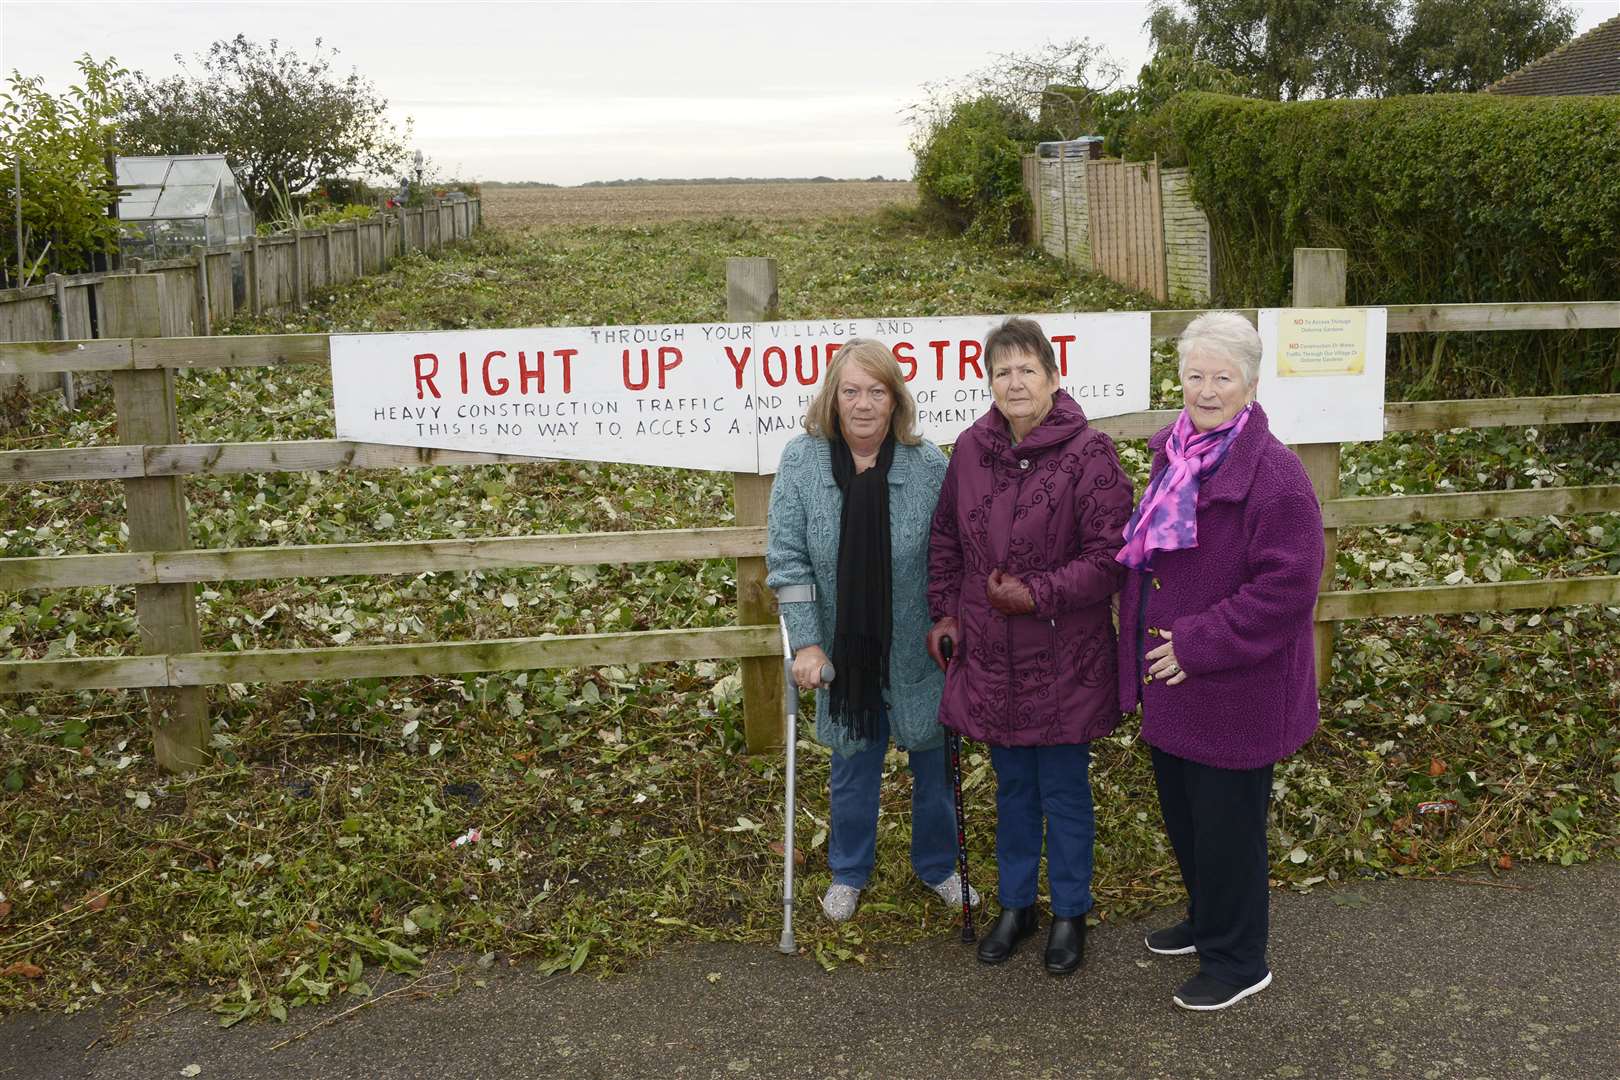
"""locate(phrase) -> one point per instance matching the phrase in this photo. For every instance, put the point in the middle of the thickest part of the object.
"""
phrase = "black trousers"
(1216, 820)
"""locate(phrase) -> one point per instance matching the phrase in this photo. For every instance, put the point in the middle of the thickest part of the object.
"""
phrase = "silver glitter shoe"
(838, 904)
(950, 891)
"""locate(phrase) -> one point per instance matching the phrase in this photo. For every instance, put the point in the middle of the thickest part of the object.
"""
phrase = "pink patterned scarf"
(1167, 517)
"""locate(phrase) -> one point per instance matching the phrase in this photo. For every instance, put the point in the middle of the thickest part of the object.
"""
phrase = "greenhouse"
(169, 204)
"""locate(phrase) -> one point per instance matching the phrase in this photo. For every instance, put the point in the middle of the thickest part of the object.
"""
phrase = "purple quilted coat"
(1238, 608)
(1050, 511)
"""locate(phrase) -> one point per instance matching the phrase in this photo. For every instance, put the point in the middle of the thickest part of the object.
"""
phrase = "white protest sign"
(646, 395)
(721, 396)
(1322, 373)
(1102, 362)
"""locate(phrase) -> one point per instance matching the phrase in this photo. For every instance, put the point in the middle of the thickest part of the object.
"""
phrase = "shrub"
(61, 141)
(1437, 199)
(969, 170)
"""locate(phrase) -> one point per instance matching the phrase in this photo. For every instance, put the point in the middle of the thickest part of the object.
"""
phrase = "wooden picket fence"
(152, 462)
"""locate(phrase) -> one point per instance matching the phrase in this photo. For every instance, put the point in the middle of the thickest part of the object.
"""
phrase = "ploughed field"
(537, 208)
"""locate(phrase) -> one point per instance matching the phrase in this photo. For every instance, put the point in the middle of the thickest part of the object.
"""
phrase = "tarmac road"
(1516, 977)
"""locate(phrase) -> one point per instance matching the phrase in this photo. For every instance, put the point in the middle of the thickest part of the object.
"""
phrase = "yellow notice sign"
(1321, 341)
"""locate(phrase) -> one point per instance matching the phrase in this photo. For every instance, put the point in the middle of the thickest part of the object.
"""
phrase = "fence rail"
(146, 362)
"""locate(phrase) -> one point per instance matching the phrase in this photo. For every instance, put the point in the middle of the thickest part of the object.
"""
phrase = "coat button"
(1153, 631)
(1023, 463)
(1157, 585)
(1147, 678)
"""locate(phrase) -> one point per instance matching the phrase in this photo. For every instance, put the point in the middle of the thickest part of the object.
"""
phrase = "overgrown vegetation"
(970, 134)
(58, 144)
(280, 118)
(1437, 199)
(1290, 50)
(970, 131)
(616, 815)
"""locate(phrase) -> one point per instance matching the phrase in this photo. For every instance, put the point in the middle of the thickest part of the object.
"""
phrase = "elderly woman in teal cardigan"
(850, 512)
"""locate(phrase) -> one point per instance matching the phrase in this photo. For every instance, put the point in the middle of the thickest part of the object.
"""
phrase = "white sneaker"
(838, 903)
(950, 891)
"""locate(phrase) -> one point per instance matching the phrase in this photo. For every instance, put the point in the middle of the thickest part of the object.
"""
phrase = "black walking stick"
(953, 741)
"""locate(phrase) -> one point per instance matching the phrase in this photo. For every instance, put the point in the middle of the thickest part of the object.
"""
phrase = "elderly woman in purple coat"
(1021, 573)
(1215, 641)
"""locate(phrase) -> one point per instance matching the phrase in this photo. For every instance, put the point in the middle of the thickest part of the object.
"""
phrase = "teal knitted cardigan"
(803, 549)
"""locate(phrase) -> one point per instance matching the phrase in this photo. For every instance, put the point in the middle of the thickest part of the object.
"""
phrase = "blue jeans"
(853, 799)
(1044, 789)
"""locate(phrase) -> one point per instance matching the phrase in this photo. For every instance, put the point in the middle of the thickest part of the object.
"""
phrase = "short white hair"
(1227, 334)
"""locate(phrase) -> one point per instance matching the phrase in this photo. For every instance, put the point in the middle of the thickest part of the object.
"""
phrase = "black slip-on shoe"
(1010, 930)
(1205, 993)
(1065, 945)
(1174, 940)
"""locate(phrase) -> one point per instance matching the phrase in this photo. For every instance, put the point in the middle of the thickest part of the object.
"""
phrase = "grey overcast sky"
(569, 92)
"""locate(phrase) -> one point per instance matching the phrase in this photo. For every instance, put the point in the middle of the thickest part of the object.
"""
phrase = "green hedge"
(969, 169)
(1438, 199)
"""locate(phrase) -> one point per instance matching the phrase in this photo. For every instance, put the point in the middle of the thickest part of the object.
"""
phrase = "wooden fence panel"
(1125, 219)
(1186, 240)
(179, 315)
(30, 320)
(313, 245)
(221, 287)
(76, 313)
(287, 252)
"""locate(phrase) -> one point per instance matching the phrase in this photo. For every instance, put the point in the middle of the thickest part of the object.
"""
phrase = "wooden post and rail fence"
(153, 461)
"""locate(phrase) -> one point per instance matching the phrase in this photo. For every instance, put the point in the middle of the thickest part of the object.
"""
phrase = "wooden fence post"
(751, 297)
(300, 285)
(326, 245)
(203, 323)
(70, 399)
(255, 271)
(1319, 281)
(132, 306)
(1063, 189)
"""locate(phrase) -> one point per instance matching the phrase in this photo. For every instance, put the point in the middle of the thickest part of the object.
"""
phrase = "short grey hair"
(1227, 334)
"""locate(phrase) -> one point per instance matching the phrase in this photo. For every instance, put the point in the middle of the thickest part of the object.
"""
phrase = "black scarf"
(860, 651)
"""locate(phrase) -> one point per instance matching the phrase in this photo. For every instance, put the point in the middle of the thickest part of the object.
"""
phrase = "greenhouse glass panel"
(142, 172)
(193, 171)
(138, 204)
(175, 238)
(186, 200)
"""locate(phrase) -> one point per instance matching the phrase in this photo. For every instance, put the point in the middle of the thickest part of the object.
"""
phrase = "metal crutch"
(791, 594)
(953, 742)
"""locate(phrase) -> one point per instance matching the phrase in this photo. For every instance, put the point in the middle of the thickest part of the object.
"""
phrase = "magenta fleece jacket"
(1050, 511)
(1239, 609)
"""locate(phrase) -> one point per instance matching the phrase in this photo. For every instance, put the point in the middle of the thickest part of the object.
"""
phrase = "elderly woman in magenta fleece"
(1225, 554)
(1021, 574)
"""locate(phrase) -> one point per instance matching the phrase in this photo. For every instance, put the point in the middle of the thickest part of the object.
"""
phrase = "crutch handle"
(828, 674)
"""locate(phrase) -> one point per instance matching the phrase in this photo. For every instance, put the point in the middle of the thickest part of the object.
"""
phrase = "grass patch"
(616, 813)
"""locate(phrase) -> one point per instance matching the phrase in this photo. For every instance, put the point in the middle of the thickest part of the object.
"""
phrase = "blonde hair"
(876, 359)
